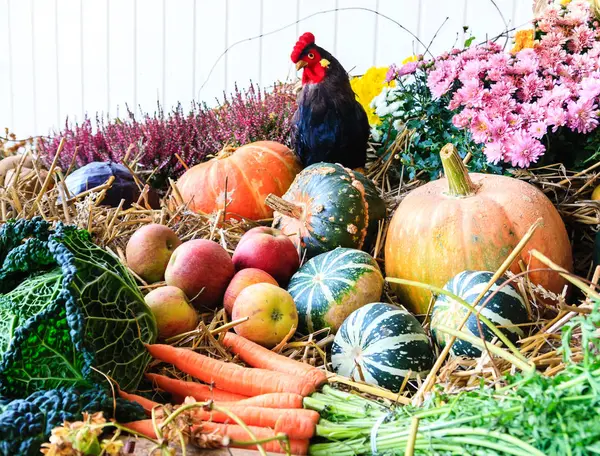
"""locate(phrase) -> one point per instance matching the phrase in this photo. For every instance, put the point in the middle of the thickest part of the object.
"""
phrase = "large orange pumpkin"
(470, 222)
(245, 176)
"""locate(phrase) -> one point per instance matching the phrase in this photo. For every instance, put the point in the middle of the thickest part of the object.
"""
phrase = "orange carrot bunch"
(267, 396)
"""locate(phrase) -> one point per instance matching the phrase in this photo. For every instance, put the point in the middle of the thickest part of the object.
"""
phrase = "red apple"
(202, 269)
(241, 280)
(271, 310)
(172, 311)
(270, 250)
(149, 250)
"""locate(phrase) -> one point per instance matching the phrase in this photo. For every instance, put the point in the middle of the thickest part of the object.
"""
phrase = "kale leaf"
(69, 310)
(27, 423)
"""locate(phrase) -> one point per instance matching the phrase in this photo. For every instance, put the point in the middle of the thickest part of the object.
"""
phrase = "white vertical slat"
(276, 63)
(336, 27)
(6, 69)
(260, 41)
(44, 55)
(493, 25)
(149, 55)
(21, 69)
(194, 46)
(433, 15)
(121, 67)
(464, 34)
(523, 15)
(321, 25)
(81, 52)
(226, 47)
(210, 43)
(393, 43)
(33, 65)
(242, 60)
(69, 60)
(108, 53)
(420, 47)
(375, 34)
(134, 108)
(297, 18)
(94, 56)
(57, 65)
(164, 52)
(179, 42)
(354, 51)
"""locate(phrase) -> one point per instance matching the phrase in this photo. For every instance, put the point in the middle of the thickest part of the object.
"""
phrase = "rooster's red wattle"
(329, 124)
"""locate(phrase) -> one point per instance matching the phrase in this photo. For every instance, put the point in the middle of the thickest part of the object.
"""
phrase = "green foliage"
(410, 106)
(69, 310)
(533, 414)
(27, 423)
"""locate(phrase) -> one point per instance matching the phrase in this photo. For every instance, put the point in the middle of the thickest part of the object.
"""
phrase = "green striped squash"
(506, 310)
(330, 286)
(381, 344)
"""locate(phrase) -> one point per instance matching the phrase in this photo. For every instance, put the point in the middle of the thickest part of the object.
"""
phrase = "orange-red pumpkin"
(244, 176)
(470, 222)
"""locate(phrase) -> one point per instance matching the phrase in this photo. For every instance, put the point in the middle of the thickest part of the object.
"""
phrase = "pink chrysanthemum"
(522, 149)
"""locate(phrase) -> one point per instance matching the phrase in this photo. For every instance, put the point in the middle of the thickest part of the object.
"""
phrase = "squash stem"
(459, 182)
(284, 207)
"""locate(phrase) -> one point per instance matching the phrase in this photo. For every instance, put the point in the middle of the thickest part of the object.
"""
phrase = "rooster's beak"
(301, 64)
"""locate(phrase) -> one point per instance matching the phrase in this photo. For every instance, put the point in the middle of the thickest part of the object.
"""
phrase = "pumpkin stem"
(226, 151)
(283, 207)
(459, 182)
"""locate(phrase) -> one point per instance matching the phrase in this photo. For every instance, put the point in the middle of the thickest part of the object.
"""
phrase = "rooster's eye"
(311, 55)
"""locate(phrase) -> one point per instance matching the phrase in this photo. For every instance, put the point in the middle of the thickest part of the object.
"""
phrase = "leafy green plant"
(410, 106)
(69, 311)
(27, 423)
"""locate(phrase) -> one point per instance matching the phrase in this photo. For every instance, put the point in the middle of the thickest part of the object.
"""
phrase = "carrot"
(143, 427)
(234, 432)
(146, 404)
(270, 400)
(230, 377)
(258, 356)
(198, 391)
(296, 423)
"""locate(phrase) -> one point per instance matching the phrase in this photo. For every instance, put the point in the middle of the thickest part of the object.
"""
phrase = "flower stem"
(459, 182)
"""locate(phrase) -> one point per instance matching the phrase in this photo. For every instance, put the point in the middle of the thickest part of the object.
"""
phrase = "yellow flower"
(367, 87)
(565, 2)
(523, 40)
(112, 447)
(411, 58)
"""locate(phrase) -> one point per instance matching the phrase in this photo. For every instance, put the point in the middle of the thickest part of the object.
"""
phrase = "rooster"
(329, 124)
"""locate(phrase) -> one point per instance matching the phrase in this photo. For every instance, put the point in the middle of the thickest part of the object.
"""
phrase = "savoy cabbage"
(68, 311)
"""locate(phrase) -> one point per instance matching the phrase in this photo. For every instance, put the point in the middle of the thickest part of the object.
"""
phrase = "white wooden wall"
(62, 58)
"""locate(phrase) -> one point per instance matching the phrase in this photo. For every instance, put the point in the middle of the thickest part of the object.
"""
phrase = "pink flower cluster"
(509, 102)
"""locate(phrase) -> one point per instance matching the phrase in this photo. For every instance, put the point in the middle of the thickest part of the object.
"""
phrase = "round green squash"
(327, 206)
(385, 343)
(506, 310)
(330, 286)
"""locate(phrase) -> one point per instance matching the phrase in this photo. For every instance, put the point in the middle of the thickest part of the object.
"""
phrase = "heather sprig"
(244, 116)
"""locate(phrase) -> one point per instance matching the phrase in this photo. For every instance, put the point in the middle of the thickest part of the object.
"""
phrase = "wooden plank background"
(62, 58)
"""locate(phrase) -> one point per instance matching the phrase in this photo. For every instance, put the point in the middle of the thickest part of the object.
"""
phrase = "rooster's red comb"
(303, 41)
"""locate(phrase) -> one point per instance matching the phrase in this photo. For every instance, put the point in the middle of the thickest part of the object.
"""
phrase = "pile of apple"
(200, 275)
